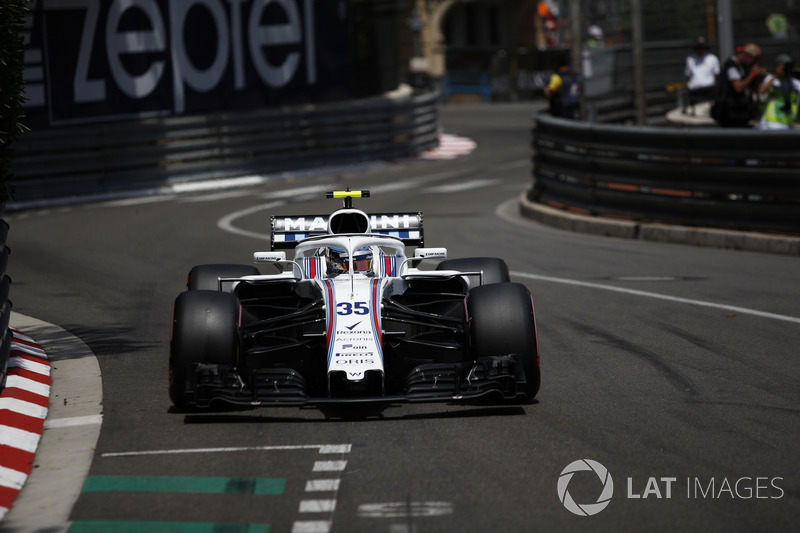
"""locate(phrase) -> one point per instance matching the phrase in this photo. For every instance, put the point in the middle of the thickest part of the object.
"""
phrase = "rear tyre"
(502, 322)
(494, 269)
(206, 277)
(205, 329)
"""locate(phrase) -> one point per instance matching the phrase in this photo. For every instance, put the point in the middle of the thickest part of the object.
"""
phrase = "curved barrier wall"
(5, 303)
(114, 156)
(725, 178)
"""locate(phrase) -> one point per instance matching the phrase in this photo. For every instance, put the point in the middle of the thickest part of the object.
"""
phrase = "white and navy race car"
(352, 318)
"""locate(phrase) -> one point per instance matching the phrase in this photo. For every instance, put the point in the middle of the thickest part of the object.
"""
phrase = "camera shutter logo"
(587, 509)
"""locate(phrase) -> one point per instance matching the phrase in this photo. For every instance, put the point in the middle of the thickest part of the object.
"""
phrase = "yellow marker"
(346, 194)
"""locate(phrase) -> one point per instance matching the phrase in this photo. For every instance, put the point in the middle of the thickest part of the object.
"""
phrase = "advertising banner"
(97, 60)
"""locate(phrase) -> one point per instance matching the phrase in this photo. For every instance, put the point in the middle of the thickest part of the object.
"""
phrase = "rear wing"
(286, 231)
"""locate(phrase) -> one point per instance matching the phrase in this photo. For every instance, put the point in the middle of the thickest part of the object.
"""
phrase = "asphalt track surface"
(673, 368)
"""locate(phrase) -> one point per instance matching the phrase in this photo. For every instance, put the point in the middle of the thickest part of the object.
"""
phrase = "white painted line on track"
(323, 448)
(318, 485)
(329, 466)
(297, 191)
(322, 485)
(335, 448)
(226, 222)
(317, 506)
(222, 183)
(216, 196)
(143, 200)
(311, 526)
(404, 509)
(73, 421)
(657, 296)
(461, 187)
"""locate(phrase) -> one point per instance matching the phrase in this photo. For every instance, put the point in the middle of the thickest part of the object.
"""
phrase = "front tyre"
(205, 329)
(503, 322)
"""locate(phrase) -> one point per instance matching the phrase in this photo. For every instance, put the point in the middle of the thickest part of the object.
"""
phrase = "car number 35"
(352, 308)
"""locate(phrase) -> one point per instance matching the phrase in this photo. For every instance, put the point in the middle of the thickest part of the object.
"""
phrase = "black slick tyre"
(502, 322)
(205, 329)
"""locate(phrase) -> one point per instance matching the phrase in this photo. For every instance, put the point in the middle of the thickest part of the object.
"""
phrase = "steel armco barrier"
(713, 177)
(116, 156)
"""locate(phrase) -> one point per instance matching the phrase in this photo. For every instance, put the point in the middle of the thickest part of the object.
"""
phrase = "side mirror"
(269, 257)
(430, 253)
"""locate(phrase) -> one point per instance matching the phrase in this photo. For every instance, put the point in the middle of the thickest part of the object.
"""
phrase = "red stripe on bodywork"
(376, 304)
(331, 313)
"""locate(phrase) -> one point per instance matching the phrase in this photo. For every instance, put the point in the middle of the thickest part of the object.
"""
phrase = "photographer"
(734, 106)
(783, 93)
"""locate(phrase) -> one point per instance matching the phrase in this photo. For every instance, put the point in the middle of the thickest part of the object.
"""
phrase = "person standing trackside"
(783, 94)
(702, 71)
(564, 92)
(734, 106)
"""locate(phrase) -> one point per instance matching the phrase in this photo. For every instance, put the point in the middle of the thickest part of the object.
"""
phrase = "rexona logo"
(604, 498)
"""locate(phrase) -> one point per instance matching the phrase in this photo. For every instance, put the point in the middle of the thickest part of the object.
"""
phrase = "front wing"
(493, 378)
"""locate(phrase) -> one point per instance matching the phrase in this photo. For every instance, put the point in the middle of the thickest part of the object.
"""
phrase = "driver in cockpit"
(339, 261)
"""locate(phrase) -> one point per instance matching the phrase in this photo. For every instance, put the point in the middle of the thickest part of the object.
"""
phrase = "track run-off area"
(670, 381)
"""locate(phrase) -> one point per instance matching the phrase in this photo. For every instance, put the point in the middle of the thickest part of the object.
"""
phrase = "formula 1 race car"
(352, 318)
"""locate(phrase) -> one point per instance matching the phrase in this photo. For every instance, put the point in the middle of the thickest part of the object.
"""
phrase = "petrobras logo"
(604, 497)
(354, 358)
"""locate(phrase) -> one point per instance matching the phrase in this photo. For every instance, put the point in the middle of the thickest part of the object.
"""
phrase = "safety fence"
(724, 178)
(115, 156)
(5, 303)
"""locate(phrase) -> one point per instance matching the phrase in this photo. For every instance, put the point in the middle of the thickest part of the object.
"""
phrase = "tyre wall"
(734, 179)
(117, 156)
(5, 303)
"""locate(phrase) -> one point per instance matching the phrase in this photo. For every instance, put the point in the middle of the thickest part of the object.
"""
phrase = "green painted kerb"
(193, 484)
(104, 526)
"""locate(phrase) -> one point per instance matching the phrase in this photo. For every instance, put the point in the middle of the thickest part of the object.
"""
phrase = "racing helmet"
(362, 260)
(339, 260)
